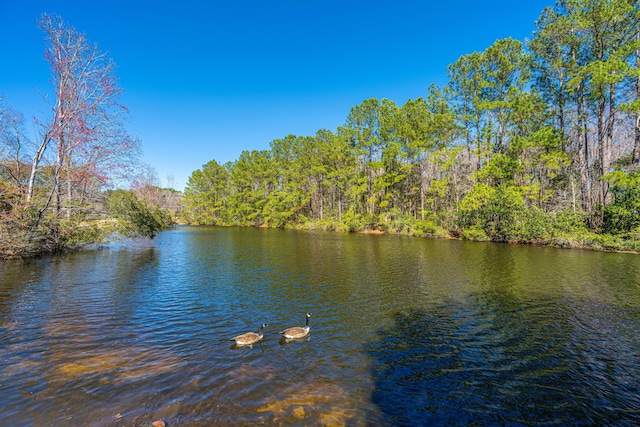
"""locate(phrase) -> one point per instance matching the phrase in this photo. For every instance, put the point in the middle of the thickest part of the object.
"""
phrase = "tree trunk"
(584, 153)
(636, 147)
(35, 164)
(561, 119)
(608, 146)
(604, 130)
(422, 198)
(58, 183)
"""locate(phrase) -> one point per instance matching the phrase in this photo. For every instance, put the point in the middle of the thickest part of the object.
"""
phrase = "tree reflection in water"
(475, 367)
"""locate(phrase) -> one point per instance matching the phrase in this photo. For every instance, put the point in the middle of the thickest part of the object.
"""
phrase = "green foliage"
(427, 227)
(134, 217)
(623, 214)
(500, 168)
(73, 233)
(502, 215)
(205, 195)
(328, 224)
(352, 220)
(591, 240)
(531, 226)
(356, 222)
(475, 232)
(473, 208)
(569, 221)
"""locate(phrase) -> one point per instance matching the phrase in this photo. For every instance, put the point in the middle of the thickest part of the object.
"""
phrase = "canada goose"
(297, 332)
(250, 338)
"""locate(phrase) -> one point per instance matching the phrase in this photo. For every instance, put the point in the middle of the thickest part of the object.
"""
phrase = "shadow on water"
(444, 367)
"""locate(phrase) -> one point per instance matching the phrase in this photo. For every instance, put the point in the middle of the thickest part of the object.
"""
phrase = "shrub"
(623, 214)
(430, 228)
(352, 220)
(135, 218)
(568, 221)
(475, 232)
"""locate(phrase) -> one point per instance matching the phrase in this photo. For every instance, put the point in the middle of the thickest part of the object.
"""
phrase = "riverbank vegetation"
(52, 190)
(531, 142)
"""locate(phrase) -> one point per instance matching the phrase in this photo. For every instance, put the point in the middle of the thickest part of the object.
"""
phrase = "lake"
(404, 331)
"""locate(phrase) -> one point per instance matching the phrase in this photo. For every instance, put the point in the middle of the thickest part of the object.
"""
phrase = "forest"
(534, 141)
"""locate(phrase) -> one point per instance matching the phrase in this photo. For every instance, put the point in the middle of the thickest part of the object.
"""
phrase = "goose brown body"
(250, 337)
(297, 332)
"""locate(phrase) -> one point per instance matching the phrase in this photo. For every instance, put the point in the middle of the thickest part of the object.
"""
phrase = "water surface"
(405, 331)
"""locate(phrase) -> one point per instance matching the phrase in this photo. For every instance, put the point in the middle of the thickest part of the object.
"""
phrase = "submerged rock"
(321, 403)
(299, 413)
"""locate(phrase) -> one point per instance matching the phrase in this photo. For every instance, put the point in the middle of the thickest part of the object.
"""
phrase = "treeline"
(534, 142)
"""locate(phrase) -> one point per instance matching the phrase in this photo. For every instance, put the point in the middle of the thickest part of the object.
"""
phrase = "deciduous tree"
(86, 126)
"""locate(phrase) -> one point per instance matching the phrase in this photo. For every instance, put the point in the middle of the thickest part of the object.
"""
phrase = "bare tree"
(13, 166)
(85, 128)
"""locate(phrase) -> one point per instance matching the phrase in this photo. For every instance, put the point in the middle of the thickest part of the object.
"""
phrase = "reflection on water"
(405, 331)
(457, 365)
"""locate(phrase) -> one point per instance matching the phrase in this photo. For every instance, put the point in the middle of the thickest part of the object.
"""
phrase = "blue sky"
(205, 80)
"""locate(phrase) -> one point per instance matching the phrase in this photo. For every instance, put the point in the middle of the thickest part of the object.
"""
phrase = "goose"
(297, 332)
(250, 338)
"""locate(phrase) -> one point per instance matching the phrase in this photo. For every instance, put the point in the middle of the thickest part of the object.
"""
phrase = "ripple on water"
(404, 332)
